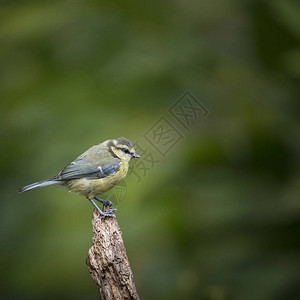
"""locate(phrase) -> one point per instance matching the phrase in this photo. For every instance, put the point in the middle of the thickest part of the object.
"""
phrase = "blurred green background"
(218, 217)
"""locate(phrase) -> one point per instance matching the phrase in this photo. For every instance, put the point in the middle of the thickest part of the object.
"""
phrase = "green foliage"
(218, 217)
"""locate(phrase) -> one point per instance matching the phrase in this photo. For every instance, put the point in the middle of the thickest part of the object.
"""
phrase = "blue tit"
(94, 172)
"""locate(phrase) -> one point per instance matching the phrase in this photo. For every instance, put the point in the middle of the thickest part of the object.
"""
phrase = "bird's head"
(123, 149)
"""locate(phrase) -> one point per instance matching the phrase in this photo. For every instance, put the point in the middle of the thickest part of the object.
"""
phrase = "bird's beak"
(135, 155)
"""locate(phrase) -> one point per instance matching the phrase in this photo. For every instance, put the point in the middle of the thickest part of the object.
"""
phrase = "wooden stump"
(107, 260)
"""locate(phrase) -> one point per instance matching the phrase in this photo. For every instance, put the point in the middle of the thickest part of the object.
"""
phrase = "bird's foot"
(107, 213)
(104, 202)
(102, 213)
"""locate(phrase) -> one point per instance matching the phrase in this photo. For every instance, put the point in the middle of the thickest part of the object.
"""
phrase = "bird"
(94, 172)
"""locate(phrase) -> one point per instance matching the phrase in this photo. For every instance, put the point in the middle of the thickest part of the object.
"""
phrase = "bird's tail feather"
(36, 185)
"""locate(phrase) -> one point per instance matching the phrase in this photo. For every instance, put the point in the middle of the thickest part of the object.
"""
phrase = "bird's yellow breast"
(93, 187)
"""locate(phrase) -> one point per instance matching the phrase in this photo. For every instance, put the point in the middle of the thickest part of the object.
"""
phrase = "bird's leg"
(106, 214)
(104, 202)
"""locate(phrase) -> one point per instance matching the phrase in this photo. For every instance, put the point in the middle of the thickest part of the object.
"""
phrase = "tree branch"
(107, 260)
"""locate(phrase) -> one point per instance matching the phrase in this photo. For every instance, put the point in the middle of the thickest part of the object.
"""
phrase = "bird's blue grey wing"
(83, 169)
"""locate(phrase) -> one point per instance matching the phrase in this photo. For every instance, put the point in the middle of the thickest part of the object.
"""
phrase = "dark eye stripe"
(125, 150)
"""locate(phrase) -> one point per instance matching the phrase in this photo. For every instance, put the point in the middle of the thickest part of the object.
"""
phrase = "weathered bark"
(108, 262)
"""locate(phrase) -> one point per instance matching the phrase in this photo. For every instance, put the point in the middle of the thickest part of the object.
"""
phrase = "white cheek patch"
(100, 169)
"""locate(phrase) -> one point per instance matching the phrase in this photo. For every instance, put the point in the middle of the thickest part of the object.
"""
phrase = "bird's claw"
(111, 210)
(108, 213)
(103, 213)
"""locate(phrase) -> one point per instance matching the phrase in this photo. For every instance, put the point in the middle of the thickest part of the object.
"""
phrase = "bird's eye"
(125, 150)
